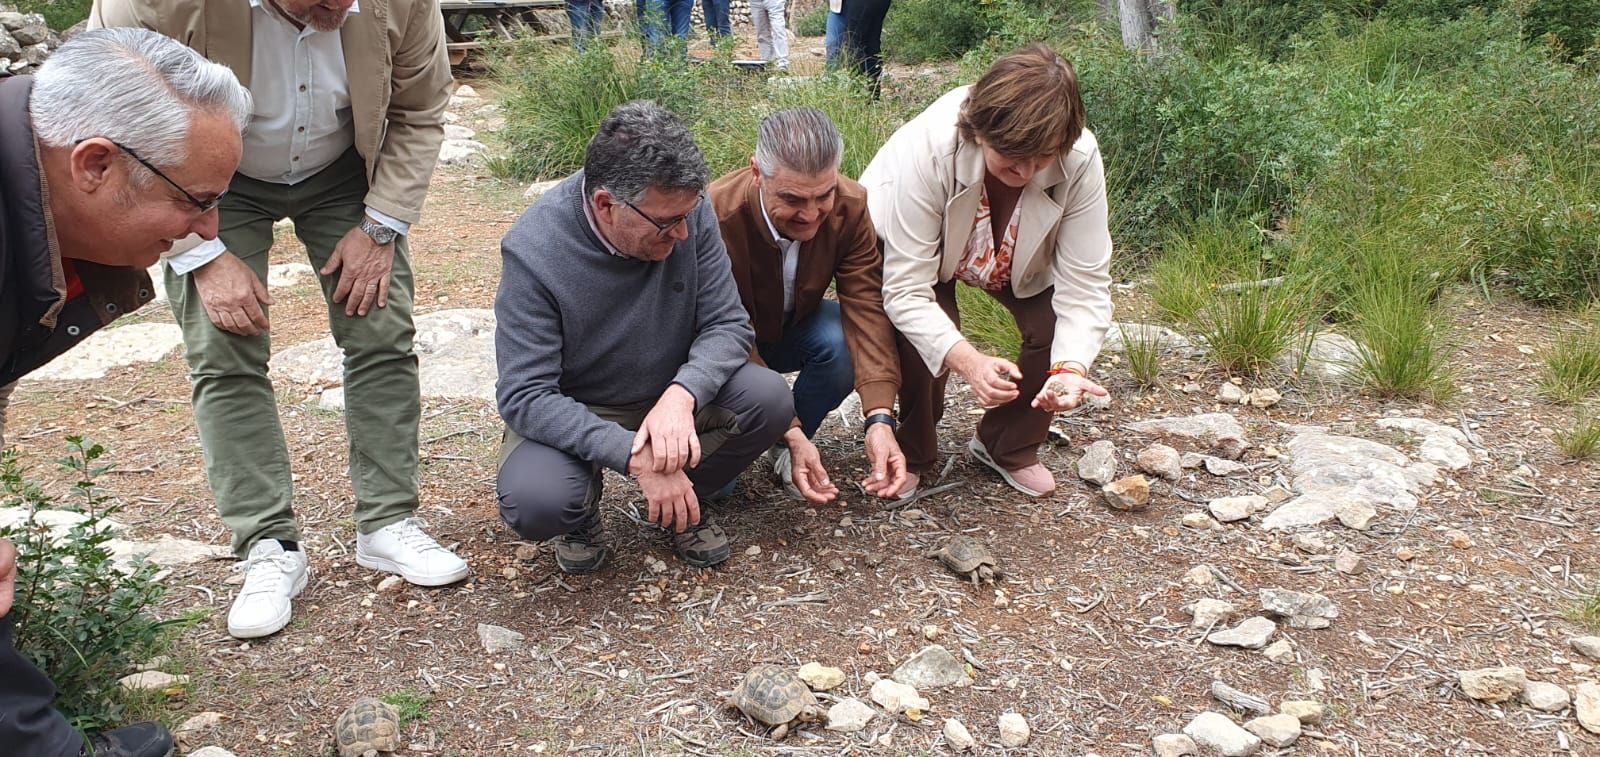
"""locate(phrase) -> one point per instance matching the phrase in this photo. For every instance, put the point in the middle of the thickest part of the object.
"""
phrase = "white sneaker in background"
(404, 548)
(273, 577)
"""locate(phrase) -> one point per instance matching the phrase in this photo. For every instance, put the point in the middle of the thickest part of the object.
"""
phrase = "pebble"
(151, 680)
(1128, 494)
(1216, 731)
(1174, 745)
(1253, 633)
(1279, 730)
(1405, 554)
(1280, 651)
(1458, 539)
(957, 735)
(1229, 509)
(1200, 575)
(820, 677)
(1198, 521)
(1356, 514)
(752, 550)
(1348, 563)
(896, 697)
(1263, 398)
(930, 632)
(1311, 544)
(1161, 461)
(1587, 706)
(1014, 731)
(1209, 613)
(1303, 609)
(932, 667)
(1277, 495)
(1588, 646)
(193, 727)
(850, 715)
(1308, 711)
(1099, 463)
(1546, 697)
(497, 639)
(509, 573)
(1230, 393)
(1493, 684)
(211, 751)
(391, 583)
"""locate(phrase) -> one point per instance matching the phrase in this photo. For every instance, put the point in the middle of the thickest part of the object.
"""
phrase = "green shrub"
(1143, 350)
(917, 31)
(813, 24)
(79, 618)
(1401, 345)
(1580, 442)
(1572, 368)
(59, 15)
(1246, 328)
(1573, 26)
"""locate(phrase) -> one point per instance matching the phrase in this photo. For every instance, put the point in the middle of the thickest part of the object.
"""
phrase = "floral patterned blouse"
(984, 264)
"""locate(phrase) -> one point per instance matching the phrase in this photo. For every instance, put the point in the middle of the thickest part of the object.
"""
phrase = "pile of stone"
(25, 41)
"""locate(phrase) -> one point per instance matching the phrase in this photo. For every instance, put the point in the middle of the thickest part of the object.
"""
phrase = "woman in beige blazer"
(997, 185)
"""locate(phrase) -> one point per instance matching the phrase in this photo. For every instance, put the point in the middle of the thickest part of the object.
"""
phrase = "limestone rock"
(1014, 730)
(1230, 393)
(537, 190)
(1217, 466)
(1328, 357)
(1588, 646)
(1587, 706)
(1131, 493)
(391, 584)
(1098, 465)
(1355, 514)
(1209, 613)
(1218, 433)
(932, 667)
(166, 551)
(820, 677)
(850, 715)
(457, 131)
(192, 729)
(957, 735)
(1119, 334)
(455, 353)
(1308, 711)
(1229, 509)
(1253, 633)
(1279, 730)
(1215, 731)
(1444, 453)
(331, 399)
(150, 680)
(1303, 609)
(288, 274)
(1348, 563)
(1174, 745)
(31, 30)
(1263, 398)
(1280, 651)
(1198, 521)
(1311, 543)
(1161, 461)
(111, 348)
(1493, 684)
(497, 639)
(211, 751)
(896, 697)
(1546, 697)
(456, 152)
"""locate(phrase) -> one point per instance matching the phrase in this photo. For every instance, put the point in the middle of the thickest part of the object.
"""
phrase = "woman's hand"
(1064, 391)
(993, 380)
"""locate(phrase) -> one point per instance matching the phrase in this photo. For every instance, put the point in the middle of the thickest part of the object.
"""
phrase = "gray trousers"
(545, 492)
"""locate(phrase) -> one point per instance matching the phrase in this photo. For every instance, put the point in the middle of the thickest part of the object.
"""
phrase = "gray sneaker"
(702, 546)
(584, 549)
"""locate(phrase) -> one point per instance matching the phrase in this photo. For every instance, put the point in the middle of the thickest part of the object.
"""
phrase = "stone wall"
(25, 41)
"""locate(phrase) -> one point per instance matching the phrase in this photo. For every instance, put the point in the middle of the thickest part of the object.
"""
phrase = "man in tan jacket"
(348, 118)
(793, 225)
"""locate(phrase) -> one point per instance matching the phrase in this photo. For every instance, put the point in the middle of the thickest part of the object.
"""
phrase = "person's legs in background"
(833, 38)
(863, 34)
(718, 24)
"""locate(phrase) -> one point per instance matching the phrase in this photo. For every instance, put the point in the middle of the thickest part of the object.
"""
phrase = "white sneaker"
(783, 468)
(404, 548)
(272, 577)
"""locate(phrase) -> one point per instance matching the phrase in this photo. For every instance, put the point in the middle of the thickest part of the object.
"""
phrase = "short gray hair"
(641, 145)
(133, 86)
(803, 140)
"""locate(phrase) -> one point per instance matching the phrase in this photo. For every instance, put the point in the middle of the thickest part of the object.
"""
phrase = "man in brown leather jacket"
(793, 225)
(123, 143)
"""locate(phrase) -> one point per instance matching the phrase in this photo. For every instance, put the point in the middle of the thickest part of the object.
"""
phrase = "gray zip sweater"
(578, 326)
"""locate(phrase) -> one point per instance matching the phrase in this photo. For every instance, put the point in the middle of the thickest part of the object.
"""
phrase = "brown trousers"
(1011, 432)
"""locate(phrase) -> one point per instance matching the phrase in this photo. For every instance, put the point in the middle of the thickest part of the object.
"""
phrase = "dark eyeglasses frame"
(662, 227)
(204, 206)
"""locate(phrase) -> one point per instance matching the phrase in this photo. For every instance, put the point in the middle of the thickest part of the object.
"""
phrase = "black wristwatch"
(379, 233)
(883, 418)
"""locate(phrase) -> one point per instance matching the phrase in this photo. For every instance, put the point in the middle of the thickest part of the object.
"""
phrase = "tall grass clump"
(1580, 441)
(987, 324)
(1142, 346)
(1571, 371)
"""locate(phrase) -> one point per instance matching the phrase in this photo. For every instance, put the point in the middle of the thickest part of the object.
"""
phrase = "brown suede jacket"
(844, 252)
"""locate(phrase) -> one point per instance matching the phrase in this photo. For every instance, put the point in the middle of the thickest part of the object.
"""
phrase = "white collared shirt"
(791, 256)
(301, 121)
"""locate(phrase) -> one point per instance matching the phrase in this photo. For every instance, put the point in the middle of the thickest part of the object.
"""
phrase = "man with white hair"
(793, 226)
(122, 143)
(349, 116)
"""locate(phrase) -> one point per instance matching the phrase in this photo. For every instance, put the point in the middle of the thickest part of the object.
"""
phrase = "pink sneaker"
(909, 490)
(1034, 480)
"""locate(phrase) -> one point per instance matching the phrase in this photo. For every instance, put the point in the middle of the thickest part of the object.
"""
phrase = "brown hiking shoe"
(703, 545)
(584, 549)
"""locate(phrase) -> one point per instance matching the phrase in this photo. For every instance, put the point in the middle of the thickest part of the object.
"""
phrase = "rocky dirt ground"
(1408, 554)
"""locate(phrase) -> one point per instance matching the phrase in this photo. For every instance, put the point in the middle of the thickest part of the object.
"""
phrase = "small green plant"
(1582, 440)
(1586, 610)
(1246, 328)
(412, 704)
(80, 617)
(1572, 368)
(59, 15)
(1401, 350)
(813, 24)
(1143, 349)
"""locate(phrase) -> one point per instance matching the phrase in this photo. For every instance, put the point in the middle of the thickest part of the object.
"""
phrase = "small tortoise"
(773, 696)
(369, 728)
(967, 557)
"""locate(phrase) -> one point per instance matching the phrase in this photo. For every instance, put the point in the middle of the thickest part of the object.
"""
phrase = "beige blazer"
(923, 188)
(394, 51)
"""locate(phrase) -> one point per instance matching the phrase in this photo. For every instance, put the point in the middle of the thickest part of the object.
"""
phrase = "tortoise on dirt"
(773, 696)
(968, 558)
(368, 729)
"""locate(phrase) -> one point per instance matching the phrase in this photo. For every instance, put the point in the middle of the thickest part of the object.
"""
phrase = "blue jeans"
(816, 348)
(834, 36)
(651, 13)
(717, 21)
(586, 17)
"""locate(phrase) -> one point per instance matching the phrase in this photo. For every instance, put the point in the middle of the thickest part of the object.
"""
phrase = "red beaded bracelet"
(1066, 367)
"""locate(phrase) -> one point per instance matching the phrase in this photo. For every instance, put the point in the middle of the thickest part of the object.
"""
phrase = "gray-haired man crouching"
(622, 344)
(123, 142)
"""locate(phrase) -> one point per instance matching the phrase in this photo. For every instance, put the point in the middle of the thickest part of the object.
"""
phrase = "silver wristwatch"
(379, 233)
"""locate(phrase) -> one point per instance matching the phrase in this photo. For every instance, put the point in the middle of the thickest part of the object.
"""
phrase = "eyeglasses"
(662, 227)
(203, 206)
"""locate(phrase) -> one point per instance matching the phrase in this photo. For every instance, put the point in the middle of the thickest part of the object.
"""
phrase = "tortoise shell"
(964, 554)
(774, 696)
(367, 729)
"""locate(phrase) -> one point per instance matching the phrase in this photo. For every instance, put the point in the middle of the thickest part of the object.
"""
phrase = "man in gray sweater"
(622, 344)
